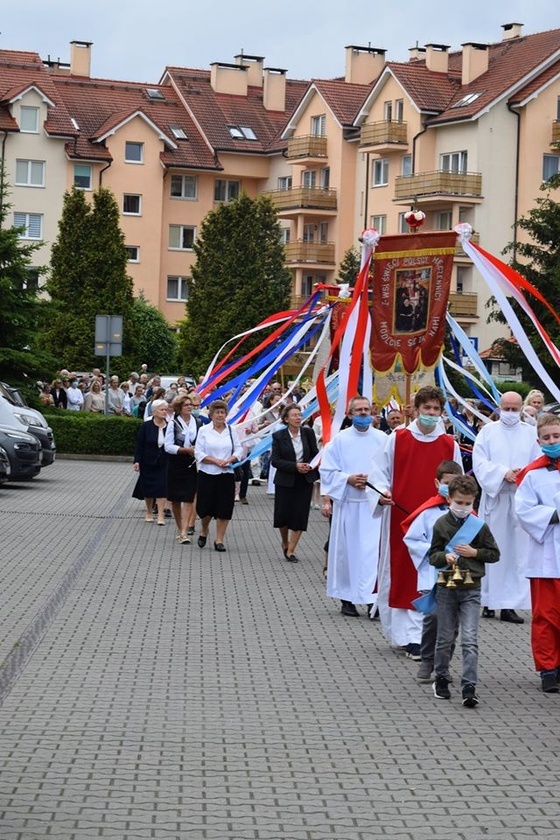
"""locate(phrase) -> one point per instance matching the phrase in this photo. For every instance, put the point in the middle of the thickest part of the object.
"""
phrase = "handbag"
(237, 470)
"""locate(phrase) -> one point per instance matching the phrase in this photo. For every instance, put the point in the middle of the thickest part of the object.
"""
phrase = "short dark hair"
(287, 409)
(463, 484)
(216, 404)
(448, 467)
(427, 393)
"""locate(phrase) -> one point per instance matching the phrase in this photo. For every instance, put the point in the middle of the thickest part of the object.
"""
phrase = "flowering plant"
(415, 218)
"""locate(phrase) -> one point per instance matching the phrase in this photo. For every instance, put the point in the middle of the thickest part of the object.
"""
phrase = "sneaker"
(548, 682)
(470, 700)
(425, 674)
(185, 539)
(190, 531)
(413, 652)
(441, 688)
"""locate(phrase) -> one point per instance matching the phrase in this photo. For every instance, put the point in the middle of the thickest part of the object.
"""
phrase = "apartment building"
(464, 135)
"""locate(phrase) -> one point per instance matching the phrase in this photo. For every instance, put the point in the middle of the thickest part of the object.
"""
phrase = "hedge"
(84, 433)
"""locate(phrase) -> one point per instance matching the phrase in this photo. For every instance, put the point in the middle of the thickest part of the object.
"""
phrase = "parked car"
(13, 409)
(166, 381)
(553, 408)
(24, 452)
(5, 468)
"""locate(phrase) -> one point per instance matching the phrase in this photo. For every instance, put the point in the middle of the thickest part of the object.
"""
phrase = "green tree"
(538, 259)
(19, 304)
(238, 279)
(88, 277)
(349, 266)
(157, 344)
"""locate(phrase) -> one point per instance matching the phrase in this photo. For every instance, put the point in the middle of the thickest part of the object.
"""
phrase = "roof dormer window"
(467, 100)
(154, 93)
(242, 132)
(178, 132)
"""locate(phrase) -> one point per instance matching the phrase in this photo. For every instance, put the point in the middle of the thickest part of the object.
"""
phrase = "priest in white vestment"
(354, 537)
(500, 451)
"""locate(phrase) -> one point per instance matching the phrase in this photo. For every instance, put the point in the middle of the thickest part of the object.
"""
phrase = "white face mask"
(510, 418)
(460, 512)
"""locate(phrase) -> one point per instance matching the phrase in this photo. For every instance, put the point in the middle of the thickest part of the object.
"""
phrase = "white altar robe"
(536, 501)
(354, 537)
(418, 540)
(497, 449)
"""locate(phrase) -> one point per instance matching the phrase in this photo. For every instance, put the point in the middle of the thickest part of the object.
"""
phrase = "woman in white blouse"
(180, 439)
(217, 448)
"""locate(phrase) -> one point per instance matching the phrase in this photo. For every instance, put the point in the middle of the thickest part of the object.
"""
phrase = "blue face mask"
(195, 412)
(551, 449)
(443, 490)
(428, 420)
(362, 421)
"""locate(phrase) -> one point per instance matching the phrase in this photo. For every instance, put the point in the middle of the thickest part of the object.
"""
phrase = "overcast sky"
(135, 39)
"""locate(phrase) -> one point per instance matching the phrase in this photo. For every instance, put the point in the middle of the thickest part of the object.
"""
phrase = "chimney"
(228, 78)
(363, 64)
(254, 65)
(437, 58)
(511, 30)
(274, 89)
(416, 53)
(475, 62)
(80, 58)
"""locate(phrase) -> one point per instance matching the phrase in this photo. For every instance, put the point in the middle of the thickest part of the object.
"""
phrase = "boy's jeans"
(457, 606)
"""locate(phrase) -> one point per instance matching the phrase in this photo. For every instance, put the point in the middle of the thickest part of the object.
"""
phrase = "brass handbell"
(468, 581)
(451, 582)
(441, 579)
(457, 575)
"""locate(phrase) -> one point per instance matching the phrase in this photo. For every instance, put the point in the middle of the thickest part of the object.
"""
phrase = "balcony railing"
(303, 198)
(313, 252)
(308, 146)
(438, 183)
(465, 306)
(384, 132)
(555, 131)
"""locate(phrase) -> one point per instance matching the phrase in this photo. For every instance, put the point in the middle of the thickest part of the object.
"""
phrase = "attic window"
(154, 93)
(467, 100)
(242, 132)
(75, 123)
(178, 132)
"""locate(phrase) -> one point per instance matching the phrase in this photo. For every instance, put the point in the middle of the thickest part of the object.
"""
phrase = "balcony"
(463, 306)
(310, 146)
(555, 131)
(438, 186)
(304, 198)
(384, 135)
(310, 252)
(459, 253)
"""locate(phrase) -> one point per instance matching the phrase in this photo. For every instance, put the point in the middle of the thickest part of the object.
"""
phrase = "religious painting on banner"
(411, 282)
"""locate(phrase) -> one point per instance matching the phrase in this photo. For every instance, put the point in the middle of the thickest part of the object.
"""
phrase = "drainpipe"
(101, 171)
(414, 139)
(516, 195)
(2, 159)
(366, 203)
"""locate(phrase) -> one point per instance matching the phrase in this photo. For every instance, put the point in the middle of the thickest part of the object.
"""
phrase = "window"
(309, 233)
(30, 173)
(454, 162)
(444, 220)
(551, 166)
(323, 232)
(388, 111)
(307, 284)
(242, 132)
(29, 120)
(285, 182)
(133, 253)
(399, 110)
(32, 223)
(134, 152)
(308, 178)
(380, 172)
(154, 93)
(132, 204)
(466, 100)
(403, 226)
(226, 190)
(558, 108)
(319, 126)
(82, 176)
(181, 237)
(284, 235)
(464, 279)
(380, 224)
(178, 132)
(31, 280)
(184, 186)
(325, 177)
(406, 165)
(177, 288)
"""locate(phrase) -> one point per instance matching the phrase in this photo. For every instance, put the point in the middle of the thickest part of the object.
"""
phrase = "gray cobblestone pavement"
(152, 690)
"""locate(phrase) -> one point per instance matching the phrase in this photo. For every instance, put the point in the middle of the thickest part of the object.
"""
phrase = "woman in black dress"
(150, 462)
(180, 439)
(293, 448)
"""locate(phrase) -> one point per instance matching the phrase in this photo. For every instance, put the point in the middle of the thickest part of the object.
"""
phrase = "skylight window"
(154, 93)
(467, 100)
(242, 132)
(75, 123)
(178, 132)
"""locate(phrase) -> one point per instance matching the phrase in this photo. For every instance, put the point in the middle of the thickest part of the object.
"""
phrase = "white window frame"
(456, 162)
(184, 180)
(309, 233)
(28, 110)
(380, 172)
(229, 187)
(131, 212)
(379, 222)
(285, 182)
(325, 178)
(309, 179)
(83, 166)
(388, 111)
(182, 287)
(178, 132)
(26, 220)
(403, 225)
(180, 231)
(29, 166)
(406, 166)
(323, 237)
(550, 160)
(444, 220)
(319, 125)
(127, 146)
(307, 283)
(285, 235)
(133, 259)
(399, 110)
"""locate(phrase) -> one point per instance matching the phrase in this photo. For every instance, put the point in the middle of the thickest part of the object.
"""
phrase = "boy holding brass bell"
(461, 546)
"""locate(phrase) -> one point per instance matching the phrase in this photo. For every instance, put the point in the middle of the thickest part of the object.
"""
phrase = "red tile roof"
(430, 91)
(343, 98)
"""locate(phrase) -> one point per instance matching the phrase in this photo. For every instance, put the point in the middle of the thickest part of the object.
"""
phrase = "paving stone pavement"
(152, 690)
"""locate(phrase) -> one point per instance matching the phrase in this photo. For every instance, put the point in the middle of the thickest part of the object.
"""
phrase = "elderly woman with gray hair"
(216, 450)
(150, 462)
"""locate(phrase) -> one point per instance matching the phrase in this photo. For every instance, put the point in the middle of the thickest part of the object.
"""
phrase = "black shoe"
(219, 546)
(470, 700)
(190, 531)
(244, 500)
(441, 688)
(202, 541)
(486, 613)
(291, 558)
(167, 513)
(511, 616)
(548, 682)
(348, 608)
(413, 652)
